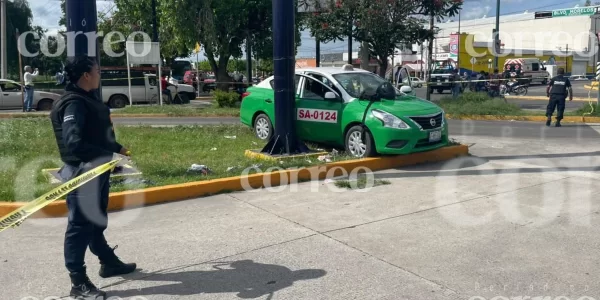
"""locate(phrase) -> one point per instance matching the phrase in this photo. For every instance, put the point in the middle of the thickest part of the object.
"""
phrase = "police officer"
(85, 138)
(557, 92)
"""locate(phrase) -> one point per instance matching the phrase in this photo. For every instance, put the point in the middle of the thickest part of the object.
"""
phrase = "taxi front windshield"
(356, 83)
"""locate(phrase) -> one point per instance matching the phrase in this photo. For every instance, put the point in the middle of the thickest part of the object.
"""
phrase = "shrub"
(227, 99)
(478, 104)
(469, 97)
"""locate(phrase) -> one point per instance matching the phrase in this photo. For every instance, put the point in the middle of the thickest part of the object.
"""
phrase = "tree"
(222, 28)
(436, 10)
(19, 16)
(134, 16)
(381, 25)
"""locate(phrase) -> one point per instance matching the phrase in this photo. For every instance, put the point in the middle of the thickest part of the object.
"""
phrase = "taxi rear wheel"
(358, 146)
(263, 128)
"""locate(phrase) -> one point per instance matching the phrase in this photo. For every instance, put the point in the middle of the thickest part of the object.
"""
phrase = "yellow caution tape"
(17, 217)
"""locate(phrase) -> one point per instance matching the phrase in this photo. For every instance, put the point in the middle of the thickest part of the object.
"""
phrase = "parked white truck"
(144, 89)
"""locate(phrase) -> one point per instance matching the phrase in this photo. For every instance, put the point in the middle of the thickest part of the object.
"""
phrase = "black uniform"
(85, 139)
(558, 96)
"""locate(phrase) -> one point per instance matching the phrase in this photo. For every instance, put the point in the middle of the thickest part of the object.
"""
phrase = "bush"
(227, 99)
(479, 104)
(589, 110)
(469, 97)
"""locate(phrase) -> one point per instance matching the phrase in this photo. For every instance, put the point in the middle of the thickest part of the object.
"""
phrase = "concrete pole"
(3, 41)
(82, 17)
(497, 33)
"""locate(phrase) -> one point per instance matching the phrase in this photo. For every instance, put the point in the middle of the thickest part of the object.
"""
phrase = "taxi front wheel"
(263, 128)
(358, 146)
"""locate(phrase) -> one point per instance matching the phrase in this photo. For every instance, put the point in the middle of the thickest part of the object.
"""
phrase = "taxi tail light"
(245, 94)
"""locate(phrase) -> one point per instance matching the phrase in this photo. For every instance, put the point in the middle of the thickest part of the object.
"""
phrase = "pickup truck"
(143, 90)
(440, 81)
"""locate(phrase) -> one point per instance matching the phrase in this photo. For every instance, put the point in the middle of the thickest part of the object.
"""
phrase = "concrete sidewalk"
(516, 219)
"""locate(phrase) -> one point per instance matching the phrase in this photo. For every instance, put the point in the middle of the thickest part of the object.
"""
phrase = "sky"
(46, 13)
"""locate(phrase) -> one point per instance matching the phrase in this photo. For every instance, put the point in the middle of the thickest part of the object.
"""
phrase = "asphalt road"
(500, 129)
(534, 90)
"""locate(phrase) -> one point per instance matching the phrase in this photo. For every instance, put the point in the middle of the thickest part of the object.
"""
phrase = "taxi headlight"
(389, 120)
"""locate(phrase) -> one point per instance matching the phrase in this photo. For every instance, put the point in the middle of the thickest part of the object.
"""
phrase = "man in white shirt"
(29, 77)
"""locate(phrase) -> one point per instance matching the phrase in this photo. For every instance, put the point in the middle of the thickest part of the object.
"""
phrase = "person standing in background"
(29, 78)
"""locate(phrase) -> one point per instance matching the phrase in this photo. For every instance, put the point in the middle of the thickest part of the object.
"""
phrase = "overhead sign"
(573, 12)
(543, 14)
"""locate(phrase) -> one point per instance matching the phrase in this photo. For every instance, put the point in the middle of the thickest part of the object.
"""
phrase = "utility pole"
(3, 46)
(350, 43)
(459, 39)
(430, 56)
(318, 52)
(497, 34)
(154, 26)
(567, 60)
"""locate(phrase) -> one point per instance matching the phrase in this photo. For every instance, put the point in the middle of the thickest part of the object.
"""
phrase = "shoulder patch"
(69, 118)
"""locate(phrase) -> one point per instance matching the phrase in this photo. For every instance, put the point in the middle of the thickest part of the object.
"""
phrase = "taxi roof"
(331, 70)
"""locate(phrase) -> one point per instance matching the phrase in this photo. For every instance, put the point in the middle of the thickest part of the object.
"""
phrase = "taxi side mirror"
(406, 89)
(331, 96)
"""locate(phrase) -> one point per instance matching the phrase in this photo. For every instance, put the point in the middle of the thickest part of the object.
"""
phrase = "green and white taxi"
(351, 108)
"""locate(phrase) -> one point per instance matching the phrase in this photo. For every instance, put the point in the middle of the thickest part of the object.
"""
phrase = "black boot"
(557, 124)
(83, 288)
(113, 266)
(548, 122)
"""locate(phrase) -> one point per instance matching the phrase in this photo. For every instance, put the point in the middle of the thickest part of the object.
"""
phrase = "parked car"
(579, 78)
(416, 82)
(143, 90)
(351, 108)
(11, 97)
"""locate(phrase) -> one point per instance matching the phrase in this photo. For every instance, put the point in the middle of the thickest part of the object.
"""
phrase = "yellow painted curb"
(257, 155)
(184, 191)
(538, 98)
(566, 119)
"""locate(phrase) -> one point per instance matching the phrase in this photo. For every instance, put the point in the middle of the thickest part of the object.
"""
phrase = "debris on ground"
(202, 169)
(324, 158)
(254, 143)
(231, 137)
(334, 152)
(213, 149)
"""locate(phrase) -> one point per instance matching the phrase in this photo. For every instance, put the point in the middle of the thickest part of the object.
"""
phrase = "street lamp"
(497, 32)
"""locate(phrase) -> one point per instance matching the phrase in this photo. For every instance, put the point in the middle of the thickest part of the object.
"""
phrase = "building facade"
(567, 37)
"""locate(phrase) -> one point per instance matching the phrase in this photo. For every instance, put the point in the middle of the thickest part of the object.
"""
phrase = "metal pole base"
(281, 145)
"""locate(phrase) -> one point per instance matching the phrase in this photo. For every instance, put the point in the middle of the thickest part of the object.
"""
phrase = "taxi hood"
(408, 105)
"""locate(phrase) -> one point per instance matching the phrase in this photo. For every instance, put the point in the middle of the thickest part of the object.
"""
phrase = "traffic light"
(598, 71)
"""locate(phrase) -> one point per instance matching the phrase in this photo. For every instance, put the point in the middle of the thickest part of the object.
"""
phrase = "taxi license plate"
(435, 136)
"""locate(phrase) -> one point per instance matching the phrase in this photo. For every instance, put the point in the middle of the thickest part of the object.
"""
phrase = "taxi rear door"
(318, 112)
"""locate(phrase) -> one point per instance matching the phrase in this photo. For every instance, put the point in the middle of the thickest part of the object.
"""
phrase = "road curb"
(185, 191)
(566, 119)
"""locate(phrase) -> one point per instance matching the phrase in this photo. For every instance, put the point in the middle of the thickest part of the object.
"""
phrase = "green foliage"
(227, 99)
(382, 24)
(222, 27)
(19, 16)
(440, 9)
